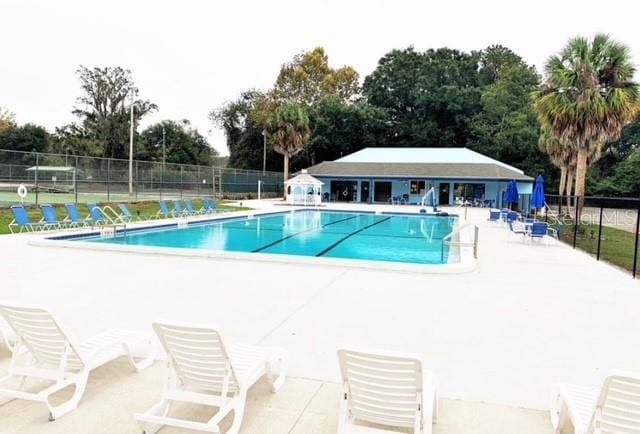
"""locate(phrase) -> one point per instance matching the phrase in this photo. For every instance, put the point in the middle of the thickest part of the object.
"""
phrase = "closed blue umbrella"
(537, 196)
(511, 196)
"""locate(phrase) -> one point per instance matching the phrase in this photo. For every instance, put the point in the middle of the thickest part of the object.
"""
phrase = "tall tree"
(308, 78)
(182, 144)
(288, 129)
(429, 97)
(588, 97)
(103, 108)
(7, 119)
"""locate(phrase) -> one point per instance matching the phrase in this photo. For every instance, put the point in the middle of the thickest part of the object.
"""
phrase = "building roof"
(303, 179)
(418, 170)
(422, 155)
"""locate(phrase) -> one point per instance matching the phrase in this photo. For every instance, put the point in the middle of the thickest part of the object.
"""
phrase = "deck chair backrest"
(176, 206)
(618, 407)
(125, 211)
(198, 357)
(512, 216)
(212, 204)
(72, 212)
(539, 229)
(20, 215)
(95, 213)
(48, 213)
(163, 207)
(494, 215)
(42, 336)
(383, 388)
(188, 205)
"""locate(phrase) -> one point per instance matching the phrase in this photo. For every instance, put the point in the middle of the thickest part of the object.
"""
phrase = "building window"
(469, 191)
(416, 186)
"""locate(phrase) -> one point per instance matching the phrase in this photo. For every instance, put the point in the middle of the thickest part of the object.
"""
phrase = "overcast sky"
(192, 56)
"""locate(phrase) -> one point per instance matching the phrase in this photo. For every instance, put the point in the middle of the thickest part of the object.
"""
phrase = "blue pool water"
(385, 237)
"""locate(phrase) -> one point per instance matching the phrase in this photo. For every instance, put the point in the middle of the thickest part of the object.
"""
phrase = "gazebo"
(303, 189)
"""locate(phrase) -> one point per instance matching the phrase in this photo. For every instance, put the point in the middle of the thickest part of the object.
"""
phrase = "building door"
(364, 191)
(443, 196)
(382, 192)
(344, 191)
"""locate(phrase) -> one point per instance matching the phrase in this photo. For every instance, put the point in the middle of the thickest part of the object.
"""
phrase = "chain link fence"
(605, 227)
(59, 178)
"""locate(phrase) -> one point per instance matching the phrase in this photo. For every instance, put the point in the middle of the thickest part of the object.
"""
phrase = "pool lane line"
(351, 234)
(259, 249)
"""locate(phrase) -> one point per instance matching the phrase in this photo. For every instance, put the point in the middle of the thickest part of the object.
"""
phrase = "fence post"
(600, 230)
(75, 187)
(36, 175)
(161, 179)
(137, 180)
(181, 182)
(635, 251)
(576, 221)
(109, 180)
(213, 181)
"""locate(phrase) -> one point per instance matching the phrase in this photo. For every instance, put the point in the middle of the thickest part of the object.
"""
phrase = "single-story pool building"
(406, 175)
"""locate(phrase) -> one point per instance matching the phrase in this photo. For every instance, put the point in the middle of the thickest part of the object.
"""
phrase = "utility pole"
(164, 152)
(131, 147)
(264, 152)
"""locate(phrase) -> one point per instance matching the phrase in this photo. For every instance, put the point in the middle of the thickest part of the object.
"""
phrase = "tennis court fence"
(61, 178)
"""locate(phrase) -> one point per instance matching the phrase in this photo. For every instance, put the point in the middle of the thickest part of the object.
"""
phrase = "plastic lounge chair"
(202, 370)
(177, 210)
(49, 217)
(164, 210)
(541, 230)
(189, 208)
(512, 216)
(209, 205)
(8, 336)
(517, 228)
(45, 351)
(125, 215)
(73, 218)
(96, 216)
(21, 220)
(383, 388)
(612, 408)
(494, 215)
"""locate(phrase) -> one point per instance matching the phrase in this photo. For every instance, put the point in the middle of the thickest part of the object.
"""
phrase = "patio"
(498, 337)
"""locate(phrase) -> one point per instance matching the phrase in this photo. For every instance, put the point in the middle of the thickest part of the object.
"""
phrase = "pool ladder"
(448, 240)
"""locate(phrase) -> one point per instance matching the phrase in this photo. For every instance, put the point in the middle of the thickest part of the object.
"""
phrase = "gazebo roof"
(303, 179)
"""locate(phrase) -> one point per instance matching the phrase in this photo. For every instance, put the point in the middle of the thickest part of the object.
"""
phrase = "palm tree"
(562, 156)
(288, 129)
(588, 97)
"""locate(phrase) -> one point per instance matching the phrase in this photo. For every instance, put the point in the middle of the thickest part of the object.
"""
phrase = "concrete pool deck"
(498, 337)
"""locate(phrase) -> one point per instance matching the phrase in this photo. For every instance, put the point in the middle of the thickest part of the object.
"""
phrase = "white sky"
(191, 56)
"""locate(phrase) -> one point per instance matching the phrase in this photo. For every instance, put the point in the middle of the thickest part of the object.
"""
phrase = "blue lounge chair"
(96, 215)
(189, 208)
(209, 205)
(494, 215)
(164, 210)
(541, 230)
(21, 220)
(177, 210)
(517, 229)
(49, 217)
(73, 218)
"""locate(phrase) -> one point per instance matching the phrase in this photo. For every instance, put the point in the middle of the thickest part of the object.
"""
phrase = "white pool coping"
(466, 263)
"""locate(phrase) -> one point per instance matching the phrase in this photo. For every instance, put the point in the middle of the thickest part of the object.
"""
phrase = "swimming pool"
(415, 239)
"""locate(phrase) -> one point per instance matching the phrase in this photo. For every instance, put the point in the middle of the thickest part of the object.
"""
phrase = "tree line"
(102, 125)
(487, 100)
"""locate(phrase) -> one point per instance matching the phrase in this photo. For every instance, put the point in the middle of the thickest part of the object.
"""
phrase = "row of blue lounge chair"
(100, 216)
(528, 228)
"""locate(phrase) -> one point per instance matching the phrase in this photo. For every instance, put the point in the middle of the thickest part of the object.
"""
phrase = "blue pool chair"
(541, 230)
(96, 215)
(209, 205)
(125, 215)
(516, 228)
(512, 216)
(21, 220)
(49, 217)
(164, 210)
(177, 210)
(73, 218)
(494, 215)
(189, 208)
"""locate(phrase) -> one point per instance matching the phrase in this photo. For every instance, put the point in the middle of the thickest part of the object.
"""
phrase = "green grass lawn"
(143, 208)
(616, 246)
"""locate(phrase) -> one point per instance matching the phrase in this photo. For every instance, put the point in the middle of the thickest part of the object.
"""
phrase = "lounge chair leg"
(161, 409)
(238, 414)
(144, 363)
(72, 403)
(282, 360)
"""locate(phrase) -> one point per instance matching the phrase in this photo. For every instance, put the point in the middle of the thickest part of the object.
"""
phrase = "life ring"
(22, 191)
(345, 193)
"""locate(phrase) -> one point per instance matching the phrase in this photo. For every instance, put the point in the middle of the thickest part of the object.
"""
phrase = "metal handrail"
(447, 240)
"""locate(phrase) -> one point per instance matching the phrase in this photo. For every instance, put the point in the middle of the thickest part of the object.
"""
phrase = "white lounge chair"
(388, 389)
(45, 351)
(202, 370)
(8, 336)
(613, 408)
